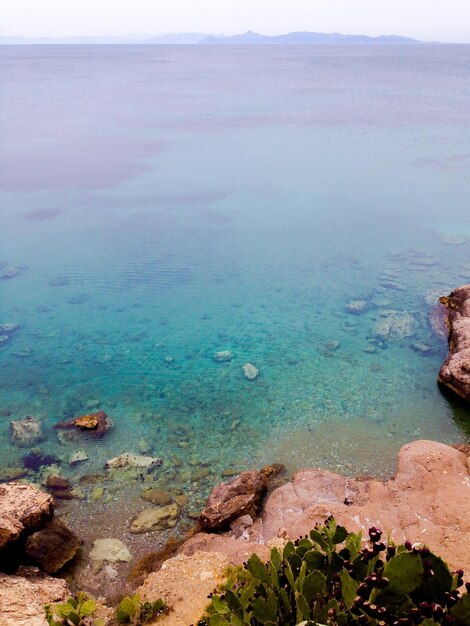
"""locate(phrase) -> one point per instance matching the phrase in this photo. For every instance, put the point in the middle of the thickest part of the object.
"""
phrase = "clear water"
(198, 199)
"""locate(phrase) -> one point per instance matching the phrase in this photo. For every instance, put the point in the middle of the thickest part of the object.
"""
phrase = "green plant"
(134, 612)
(76, 611)
(330, 578)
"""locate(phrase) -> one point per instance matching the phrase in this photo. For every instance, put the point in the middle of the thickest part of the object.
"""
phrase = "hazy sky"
(445, 20)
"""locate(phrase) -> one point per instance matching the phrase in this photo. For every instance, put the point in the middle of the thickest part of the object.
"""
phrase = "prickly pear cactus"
(332, 578)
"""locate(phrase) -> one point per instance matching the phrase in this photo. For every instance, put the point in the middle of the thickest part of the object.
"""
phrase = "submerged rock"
(78, 457)
(53, 546)
(394, 325)
(112, 550)
(357, 307)
(7, 332)
(26, 432)
(455, 371)
(223, 356)
(7, 272)
(129, 460)
(22, 508)
(96, 423)
(160, 518)
(250, 371)
(156, 496)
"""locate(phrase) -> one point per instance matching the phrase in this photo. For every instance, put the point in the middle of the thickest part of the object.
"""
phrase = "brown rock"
(22, 508)
(53, 546)
(97, 423)
(454, 374)
(272, 471)
(56, 483)
(160, 518)
(428, 501)
(230, 500)
(156, 496)
(22, 598)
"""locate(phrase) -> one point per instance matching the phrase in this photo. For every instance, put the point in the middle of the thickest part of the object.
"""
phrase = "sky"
(443, 20)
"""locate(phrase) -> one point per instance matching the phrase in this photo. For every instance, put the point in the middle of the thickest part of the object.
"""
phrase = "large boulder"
(22, 598)
(23, 508)
(112, 550)
(160, 518)
(454, 374)
(25, 433)
(53, 546)
(95, 423)
(427, 501)
(233, 499)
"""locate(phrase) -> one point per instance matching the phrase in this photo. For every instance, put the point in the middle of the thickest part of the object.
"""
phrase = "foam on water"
(166, 203)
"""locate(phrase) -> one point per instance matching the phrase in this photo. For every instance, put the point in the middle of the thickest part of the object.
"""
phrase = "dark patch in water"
(35, 459)
(86, 163)
(41, 215)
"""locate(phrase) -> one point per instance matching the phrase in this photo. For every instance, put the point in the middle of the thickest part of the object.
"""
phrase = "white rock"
(78, 457)
(129, 460)
(223, 356)
(26, 432)
(112, 550)
(250, 371)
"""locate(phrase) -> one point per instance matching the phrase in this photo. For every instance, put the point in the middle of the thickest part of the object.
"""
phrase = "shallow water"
(165, 203)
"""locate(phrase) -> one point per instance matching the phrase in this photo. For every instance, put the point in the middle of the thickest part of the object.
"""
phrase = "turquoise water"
(165, 203)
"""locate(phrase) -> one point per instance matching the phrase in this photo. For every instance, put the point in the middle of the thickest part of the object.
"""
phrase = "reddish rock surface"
(22, 508)
(455, 371)
(230, 500)
(96, 423)
(22, 598)
(427, 501)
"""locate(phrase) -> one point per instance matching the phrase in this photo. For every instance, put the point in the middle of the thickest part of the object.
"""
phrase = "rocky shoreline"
(454, 374)
(427, 501)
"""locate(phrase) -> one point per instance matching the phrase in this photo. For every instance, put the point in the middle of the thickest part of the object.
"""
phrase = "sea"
(170, 214)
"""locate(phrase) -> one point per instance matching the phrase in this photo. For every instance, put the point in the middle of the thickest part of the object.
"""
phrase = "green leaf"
(289, 548)
(303, 609)
(265, 610)
(301, 577)
(232, 601)
(434, 587)
(354, 544)
(122, 617)
(218, 620)
(87, 608)
(220, 605)
(404, 572)
(63, 610)
(461, 611)
(317, 538)
(257, 568)
(314, 584)
(314, 559)
(349, 587)
(340, 535)
(74, 618)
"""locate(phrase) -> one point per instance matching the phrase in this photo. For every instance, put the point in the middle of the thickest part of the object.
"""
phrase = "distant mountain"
(248, 38)
(303, 38)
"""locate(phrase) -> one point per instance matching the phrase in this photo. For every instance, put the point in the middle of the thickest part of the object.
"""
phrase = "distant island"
(248, 38)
